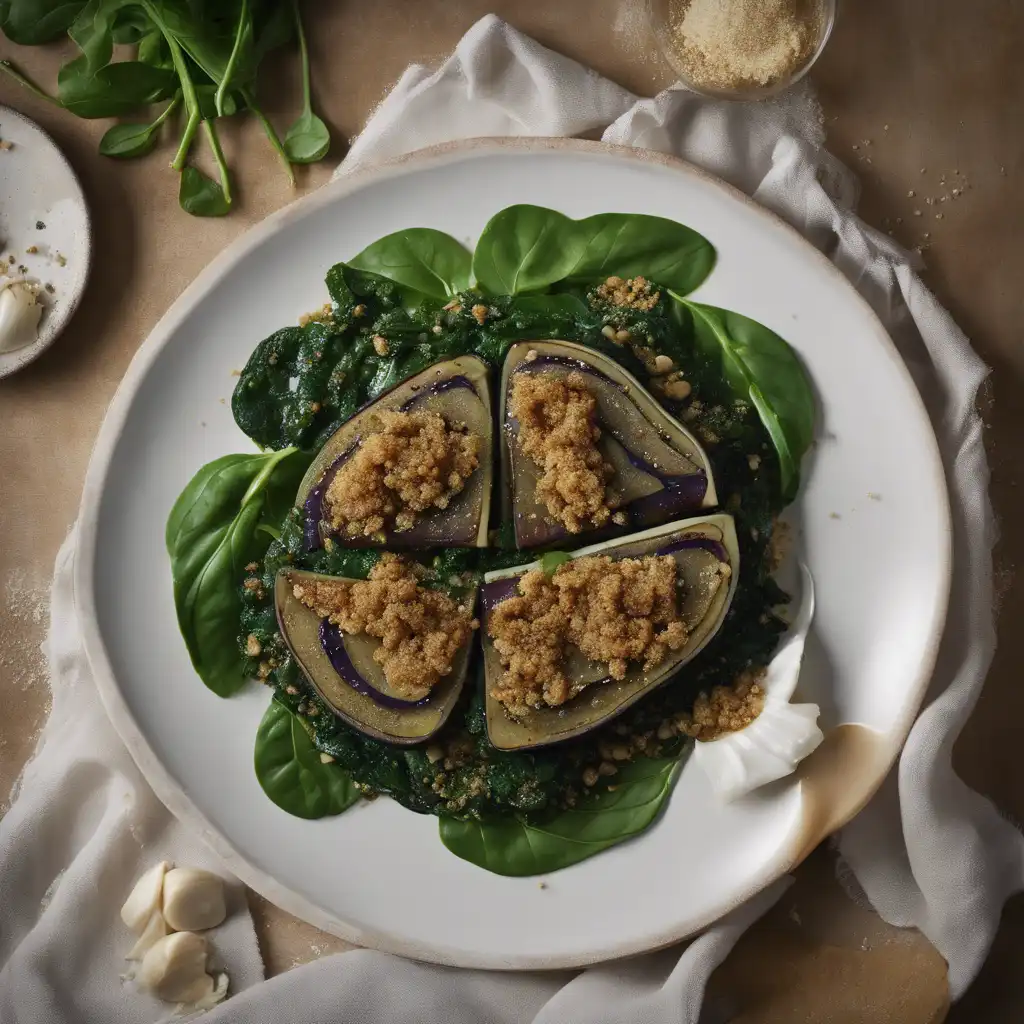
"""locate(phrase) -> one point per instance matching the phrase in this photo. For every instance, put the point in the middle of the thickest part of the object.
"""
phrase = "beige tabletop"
(914, 91)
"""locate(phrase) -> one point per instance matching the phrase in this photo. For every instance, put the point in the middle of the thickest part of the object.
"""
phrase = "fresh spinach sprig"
(200, 58)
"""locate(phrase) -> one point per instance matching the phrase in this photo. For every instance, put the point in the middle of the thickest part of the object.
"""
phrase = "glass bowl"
(659, 12)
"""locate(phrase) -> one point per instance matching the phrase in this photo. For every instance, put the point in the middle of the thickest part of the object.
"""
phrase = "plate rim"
(173, 796)
(17, 359)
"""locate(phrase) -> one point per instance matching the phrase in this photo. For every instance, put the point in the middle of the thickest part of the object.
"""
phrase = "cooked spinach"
(208, 54)
(600, 819)
(291, 771)
(213, 533)
(760, 367)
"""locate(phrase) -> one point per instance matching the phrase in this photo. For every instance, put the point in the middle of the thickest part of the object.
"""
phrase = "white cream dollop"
(20, 311)
(193, 900)
(782, 735)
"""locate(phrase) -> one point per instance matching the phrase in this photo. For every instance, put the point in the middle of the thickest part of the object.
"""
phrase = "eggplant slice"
(661, 471)
(456, 389)
(342, 670)
(700, 547)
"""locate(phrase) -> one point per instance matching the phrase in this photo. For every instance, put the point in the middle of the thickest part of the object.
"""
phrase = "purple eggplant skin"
(703, 546)
(352, 686)
(457, 389)
(667, 473)
(332, 640)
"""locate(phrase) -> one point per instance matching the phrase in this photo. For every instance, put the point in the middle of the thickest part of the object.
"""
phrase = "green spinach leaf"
(124, 141)
(212, 534)
(632, 244)
(600, 820)
(420, 260)
(290, 772)
(527, 249)
(201, 196)
(761, 368)
(308, 138)
(31, 22)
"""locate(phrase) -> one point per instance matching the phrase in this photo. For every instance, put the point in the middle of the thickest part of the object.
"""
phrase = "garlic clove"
(144, 899)
(193, 900)
(174, 969)
(214, 992)
(155, 930)
(20, 312)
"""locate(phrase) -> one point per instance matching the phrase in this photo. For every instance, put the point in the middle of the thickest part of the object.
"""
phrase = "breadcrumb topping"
(614, 612)
(558, 432)
(411, 463)
(633, 293)
(726, 709)
(421, 630)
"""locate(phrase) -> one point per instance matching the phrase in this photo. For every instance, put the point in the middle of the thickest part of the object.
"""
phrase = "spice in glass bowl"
(737, 45)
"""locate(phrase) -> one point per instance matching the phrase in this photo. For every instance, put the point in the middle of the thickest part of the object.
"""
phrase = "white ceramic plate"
(378, 875)
(38, 186)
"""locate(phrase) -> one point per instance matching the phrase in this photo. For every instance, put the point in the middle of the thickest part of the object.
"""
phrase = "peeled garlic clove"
(19, 315)
(174, 969)
(214, 992)
(193, 900)
(145, 897)
(155, 930)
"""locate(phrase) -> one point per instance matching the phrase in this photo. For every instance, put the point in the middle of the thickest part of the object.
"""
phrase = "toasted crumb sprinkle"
(558, 432)
(614, 612)
(634, 293)
(727, 709)
(380, 345)
(411, 463)
(479, 313)
(252, 646)
(421, 630)
(323, 315)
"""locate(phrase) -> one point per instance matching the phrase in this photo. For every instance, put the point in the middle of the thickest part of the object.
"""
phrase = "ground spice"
(730, 44)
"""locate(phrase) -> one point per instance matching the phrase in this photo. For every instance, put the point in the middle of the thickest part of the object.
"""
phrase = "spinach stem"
(307, 103)
(275, 141)
(236, 50)
(218, 155)
(8, 68)
(188, 89)
(191, 127)
(166, 112)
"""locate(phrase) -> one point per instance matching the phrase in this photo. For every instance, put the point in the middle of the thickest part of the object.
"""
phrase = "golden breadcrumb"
(558, 432)
(634, 293)
(412, 462)
(727, 708)
(614, 612)
(421, 630)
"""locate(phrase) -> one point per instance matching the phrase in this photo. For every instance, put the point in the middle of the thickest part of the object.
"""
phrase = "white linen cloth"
(927, 851)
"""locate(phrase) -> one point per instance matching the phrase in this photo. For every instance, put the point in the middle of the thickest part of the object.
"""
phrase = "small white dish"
(38, 187)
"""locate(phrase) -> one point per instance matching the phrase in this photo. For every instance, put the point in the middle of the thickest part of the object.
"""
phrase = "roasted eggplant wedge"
(707, 555)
